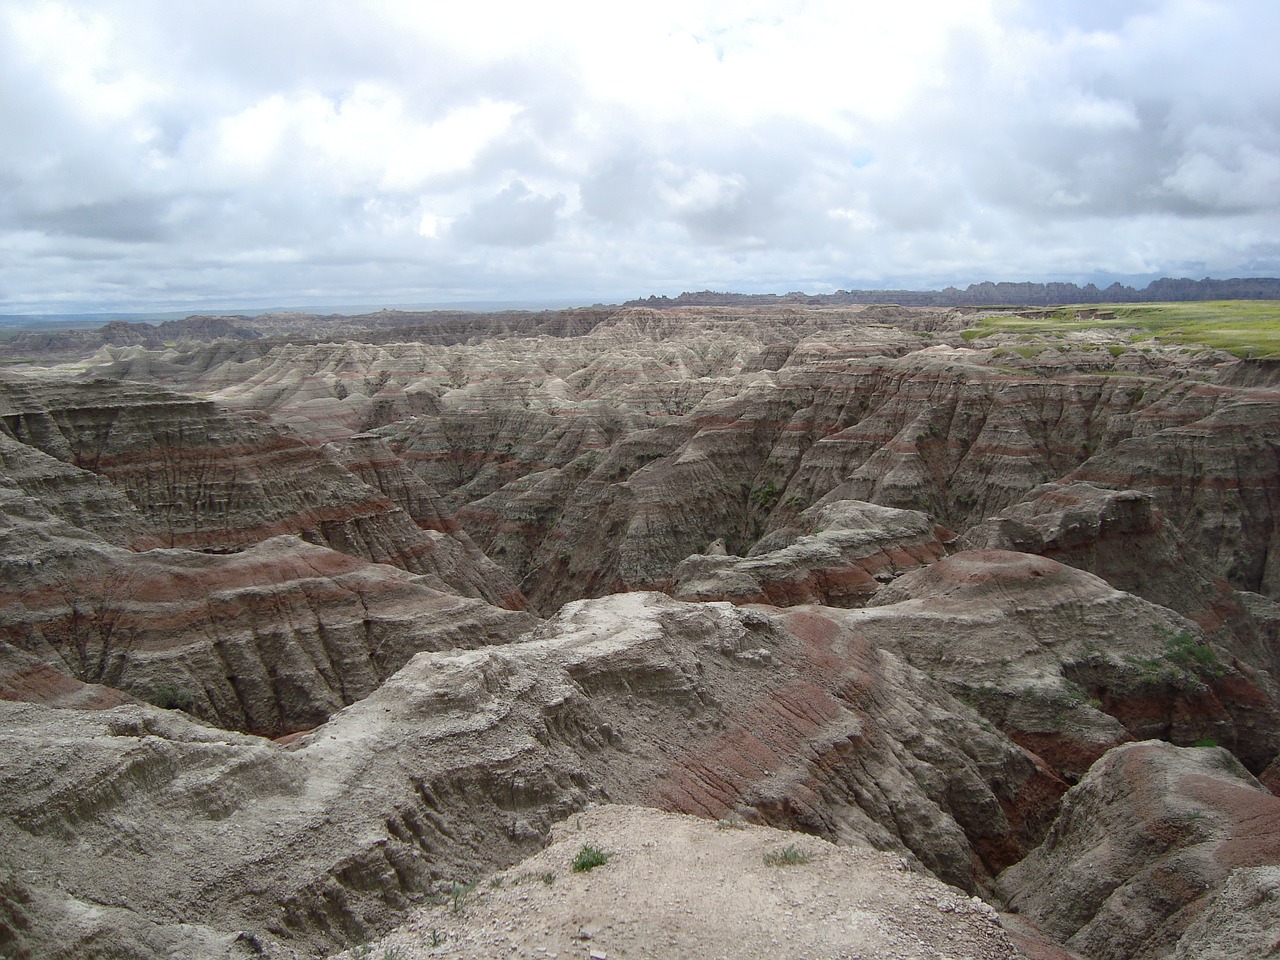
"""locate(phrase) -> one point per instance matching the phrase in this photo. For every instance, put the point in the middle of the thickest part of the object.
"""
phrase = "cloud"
(130, 220)
(182, 153)
(516, 217)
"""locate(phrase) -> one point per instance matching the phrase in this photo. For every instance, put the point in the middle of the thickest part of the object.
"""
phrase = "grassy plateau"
(1245, 328)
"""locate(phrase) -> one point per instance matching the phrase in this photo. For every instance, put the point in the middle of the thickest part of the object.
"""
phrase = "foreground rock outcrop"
(1067, 665)
(462, 761)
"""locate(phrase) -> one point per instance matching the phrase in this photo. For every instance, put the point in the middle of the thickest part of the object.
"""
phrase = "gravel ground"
(682, 888)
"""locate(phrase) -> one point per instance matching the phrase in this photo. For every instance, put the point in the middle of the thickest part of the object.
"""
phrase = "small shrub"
(548, 878)
(766, 496)
(1205, 742)
(588, 858)
(788, 856)
(170, 696)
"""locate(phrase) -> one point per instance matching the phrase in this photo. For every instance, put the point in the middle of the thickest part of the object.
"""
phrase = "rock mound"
(1067, 665)
(1157, 844)
(854, 547)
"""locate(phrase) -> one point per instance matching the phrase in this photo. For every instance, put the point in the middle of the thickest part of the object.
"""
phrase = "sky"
(169, 156)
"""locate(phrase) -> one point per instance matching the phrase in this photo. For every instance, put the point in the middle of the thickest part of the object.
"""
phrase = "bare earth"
(678, 888)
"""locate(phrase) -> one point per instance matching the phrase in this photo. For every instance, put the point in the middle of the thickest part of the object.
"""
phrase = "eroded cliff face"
(534, 476)
(916, 587)
(201, 478)
(272, 639)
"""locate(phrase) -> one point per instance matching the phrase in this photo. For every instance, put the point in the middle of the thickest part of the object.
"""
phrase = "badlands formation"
(837, 632)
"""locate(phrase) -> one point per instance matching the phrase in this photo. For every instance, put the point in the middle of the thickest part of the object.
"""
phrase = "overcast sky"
(189, 155)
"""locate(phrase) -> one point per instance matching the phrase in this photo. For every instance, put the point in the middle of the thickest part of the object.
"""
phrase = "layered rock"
(201, 478)
(368, 457)
(1216, 480)
(1154, 854)
(759, 415)
(854, 547)
(1123, 537)
(272, 640)
(937, 431)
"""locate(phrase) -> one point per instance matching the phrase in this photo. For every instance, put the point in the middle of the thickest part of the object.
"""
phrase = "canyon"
(321, 634)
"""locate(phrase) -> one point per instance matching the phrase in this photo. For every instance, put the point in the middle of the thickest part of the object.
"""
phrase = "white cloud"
(366, 139)
(515, 217)
(287, 148)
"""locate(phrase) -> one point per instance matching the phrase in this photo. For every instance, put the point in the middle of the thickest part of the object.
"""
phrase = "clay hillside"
(668, 630)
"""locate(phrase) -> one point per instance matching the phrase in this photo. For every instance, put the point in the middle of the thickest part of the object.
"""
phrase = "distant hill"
(989, 294)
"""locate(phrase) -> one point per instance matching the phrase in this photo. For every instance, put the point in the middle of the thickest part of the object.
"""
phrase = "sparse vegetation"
(788, 856)
(1184, 662)
(765, 496)
(588, 858)
(456, 895)
(460, 895)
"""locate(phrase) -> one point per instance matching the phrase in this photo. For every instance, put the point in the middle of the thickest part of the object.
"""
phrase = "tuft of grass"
(457, 896)
(588, 858)
(788, 856)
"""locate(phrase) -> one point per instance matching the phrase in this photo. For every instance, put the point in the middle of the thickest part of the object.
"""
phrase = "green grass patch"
(1183, 663)
(588, 858)
(1245, 328)
(788, 856)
